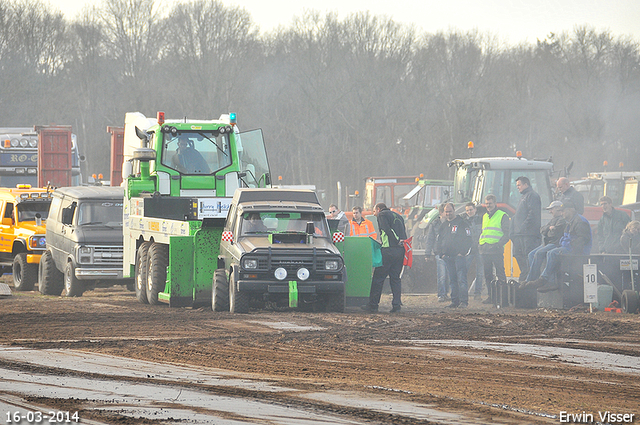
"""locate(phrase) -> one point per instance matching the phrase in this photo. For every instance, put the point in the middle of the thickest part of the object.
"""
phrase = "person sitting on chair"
(187, 159)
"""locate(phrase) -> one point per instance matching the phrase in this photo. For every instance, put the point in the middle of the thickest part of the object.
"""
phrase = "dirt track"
(417, 355)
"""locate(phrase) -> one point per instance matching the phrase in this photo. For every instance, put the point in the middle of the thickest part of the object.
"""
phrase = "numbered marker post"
(590, 273)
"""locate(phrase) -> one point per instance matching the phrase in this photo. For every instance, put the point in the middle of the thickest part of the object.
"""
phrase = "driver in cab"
(187, 159)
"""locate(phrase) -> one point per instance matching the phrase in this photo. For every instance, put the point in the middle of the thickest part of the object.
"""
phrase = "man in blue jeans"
(551, 234)
(576, 240)
(453, 244)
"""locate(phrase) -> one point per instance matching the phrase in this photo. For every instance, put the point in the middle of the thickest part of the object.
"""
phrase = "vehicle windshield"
(463, 184)
(264, 223)
(196, 152)
(106, 213)
(27, 210)
(432, 196)
(253, 158)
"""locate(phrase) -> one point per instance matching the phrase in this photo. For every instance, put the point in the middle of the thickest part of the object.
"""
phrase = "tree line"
(337, 99)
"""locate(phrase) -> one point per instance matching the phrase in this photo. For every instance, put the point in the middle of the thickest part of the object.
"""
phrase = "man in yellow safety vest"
(494, 236)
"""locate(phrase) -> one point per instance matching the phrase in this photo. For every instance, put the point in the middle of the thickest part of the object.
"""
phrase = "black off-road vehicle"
(276, 248)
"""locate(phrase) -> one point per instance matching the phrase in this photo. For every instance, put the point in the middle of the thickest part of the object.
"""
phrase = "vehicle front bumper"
(98, 273)
(282, 287)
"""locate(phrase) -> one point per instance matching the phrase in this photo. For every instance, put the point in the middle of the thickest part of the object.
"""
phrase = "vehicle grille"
(108, 254)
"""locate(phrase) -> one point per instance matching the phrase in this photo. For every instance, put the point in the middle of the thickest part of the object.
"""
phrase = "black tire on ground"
(50, 279)
(630, 301)
(220, 292)
(336, 302)
(238, 301)
(142, 269)
(25, 275)
(72, 286)
(158, 260)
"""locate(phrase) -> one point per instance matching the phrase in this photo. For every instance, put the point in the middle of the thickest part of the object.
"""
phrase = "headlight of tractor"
(332, 265)
(250, 264)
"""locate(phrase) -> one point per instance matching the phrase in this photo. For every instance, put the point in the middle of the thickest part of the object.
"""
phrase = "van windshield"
(106, 213)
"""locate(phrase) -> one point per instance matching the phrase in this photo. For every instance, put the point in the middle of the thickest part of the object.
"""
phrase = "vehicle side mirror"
(267, 179)
(311, 228)
(142, 136)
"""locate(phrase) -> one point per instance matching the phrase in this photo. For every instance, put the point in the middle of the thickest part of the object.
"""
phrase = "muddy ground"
(415, 355)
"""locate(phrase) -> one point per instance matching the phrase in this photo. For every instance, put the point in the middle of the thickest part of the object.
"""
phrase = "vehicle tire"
(220, 292)
(336, 302)
(142, 269)
(25, 275)
(50, 279)
(630, 301)
(238, 301)
(157, 260)
(72, 286)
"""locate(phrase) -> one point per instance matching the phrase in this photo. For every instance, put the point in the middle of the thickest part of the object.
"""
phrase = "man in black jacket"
(525, 225)
(569, 193)
(453, 244)
(392, 234)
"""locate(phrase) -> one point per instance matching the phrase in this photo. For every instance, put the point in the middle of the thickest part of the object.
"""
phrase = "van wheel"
(50, 279)
(142, 269)
(630, 301)
(72, 286)
(158, 260)
(25, 275)
(220, 293)
(238, 301)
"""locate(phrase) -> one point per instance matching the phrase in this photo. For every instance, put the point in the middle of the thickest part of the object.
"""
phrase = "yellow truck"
(22, 233)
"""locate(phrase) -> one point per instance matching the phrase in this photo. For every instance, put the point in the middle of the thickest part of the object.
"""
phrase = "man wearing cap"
(551, 234)
(576, 240)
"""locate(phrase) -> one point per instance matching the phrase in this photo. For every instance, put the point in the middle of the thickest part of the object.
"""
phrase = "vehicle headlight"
(85, 250)
(37, 242)
(280, 273)
(250, 263)
(303, 274)
(331, 265)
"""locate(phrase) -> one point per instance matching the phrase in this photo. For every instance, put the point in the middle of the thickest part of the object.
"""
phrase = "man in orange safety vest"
(360, 226)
